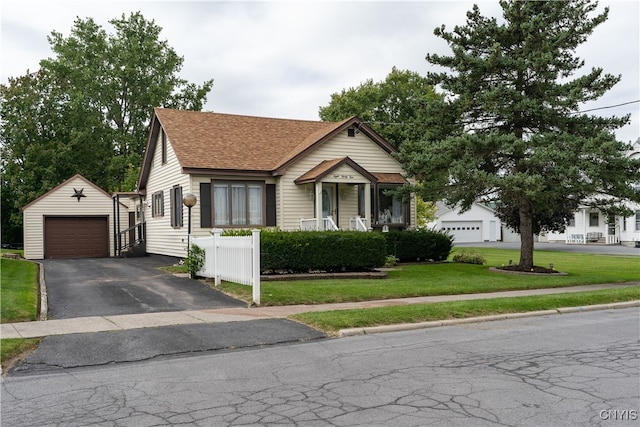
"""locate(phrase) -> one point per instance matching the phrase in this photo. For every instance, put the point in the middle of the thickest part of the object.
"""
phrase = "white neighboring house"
(589, 225)
(478, 224)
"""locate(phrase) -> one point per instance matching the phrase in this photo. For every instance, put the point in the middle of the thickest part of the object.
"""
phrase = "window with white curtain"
(221, 204)
(238, 203)
(255, 204)
(390, 208)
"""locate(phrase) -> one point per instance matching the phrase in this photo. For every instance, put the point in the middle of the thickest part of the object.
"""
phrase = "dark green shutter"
(205, 205)
(271, 205)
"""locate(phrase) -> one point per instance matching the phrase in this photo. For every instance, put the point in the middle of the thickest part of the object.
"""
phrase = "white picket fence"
(232, 258)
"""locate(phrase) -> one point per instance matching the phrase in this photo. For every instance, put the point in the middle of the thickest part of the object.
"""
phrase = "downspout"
(115, 233)
(318, 202)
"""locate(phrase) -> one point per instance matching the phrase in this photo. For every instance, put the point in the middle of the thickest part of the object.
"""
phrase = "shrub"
(469, 257)
(390, 261)
(331, 251)
(195, 260)
(419, 245)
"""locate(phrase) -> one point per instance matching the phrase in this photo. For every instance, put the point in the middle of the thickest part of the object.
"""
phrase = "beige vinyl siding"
(162, 238)
(60, 203)
(360, 149)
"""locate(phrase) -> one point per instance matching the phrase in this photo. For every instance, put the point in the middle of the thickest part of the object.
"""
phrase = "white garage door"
(464, 231)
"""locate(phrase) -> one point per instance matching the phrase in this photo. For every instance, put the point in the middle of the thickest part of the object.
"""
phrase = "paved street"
(571, 370)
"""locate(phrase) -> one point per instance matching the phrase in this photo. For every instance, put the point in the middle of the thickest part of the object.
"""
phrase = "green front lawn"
(19, 287)
(18, 303)
(449, 279)
(333, 321)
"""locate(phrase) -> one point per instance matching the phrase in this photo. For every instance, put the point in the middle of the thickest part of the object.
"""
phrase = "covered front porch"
(590, 226)
(345, 196)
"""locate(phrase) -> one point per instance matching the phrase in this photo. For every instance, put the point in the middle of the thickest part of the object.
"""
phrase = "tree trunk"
(526, 235)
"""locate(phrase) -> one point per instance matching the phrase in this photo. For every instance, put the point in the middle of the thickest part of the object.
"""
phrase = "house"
(478, 224)
(591, 226)
(249, 172)
(73, 220)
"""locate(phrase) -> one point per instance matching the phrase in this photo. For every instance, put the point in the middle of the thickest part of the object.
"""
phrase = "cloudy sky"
(285, 59)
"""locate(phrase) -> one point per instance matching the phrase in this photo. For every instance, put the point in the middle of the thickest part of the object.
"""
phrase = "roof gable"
(327, 166)
(443, 208)
(210, 142)
(63, 184)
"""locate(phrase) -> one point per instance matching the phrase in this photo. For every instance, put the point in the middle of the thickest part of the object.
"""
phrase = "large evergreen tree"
(87, 110)
(510, 129)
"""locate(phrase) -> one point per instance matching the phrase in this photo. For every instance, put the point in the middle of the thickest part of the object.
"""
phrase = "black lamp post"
(189, 201)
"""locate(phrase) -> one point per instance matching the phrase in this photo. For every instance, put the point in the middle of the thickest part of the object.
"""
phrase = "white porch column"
(367, 205)
(584, 224)
(318, 188)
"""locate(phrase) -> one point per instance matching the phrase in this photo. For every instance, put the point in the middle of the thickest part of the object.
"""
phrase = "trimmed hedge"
(419, 245)
(331, 251)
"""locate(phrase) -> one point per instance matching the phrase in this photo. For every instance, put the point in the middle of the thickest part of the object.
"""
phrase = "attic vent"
(351, 132)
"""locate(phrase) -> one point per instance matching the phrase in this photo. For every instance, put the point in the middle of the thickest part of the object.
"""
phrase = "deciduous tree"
(87, 110)
(394, 107)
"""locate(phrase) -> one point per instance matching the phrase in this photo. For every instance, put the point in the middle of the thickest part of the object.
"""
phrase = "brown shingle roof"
(389, 178)
(319, 170)
(231, 142)
(326, 166)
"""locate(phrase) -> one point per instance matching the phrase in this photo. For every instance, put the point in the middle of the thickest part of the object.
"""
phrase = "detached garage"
(478, 224)
(73, 220)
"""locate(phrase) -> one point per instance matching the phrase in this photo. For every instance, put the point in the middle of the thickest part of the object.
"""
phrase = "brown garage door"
(76, 237)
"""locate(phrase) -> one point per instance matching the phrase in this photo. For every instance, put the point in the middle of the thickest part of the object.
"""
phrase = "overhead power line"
(609, 106)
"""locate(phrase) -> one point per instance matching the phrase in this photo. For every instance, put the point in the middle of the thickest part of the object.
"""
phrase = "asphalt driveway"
(112, 286)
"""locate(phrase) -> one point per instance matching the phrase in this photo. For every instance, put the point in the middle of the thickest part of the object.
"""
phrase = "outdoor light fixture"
(189, 200)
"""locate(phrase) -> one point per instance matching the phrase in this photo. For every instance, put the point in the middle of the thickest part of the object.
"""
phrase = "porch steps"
(136, 251)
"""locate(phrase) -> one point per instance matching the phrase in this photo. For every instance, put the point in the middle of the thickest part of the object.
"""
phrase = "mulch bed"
(535, 271)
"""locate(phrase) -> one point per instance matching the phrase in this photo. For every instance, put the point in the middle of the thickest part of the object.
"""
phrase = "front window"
(390, 207)
(386, 208)
(237, 203)
(637, 220)
(157, 204)
(594, 219)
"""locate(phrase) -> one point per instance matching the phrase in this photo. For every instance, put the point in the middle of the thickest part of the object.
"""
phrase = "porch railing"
(311, 224)
(613, 240)
(357, 224)
(576, 239)
(130, 237)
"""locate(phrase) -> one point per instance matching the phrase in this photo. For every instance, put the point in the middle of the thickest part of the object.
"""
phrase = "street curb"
(43, 293)
(370, 330)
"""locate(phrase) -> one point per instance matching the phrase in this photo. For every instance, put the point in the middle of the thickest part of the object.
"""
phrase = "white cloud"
(285, 59)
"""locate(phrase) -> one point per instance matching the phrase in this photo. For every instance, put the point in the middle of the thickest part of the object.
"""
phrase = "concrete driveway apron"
(112, 286)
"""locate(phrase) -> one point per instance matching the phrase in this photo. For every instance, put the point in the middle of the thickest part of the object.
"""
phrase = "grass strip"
(19, 287)
(332, 321)
(12, 348)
